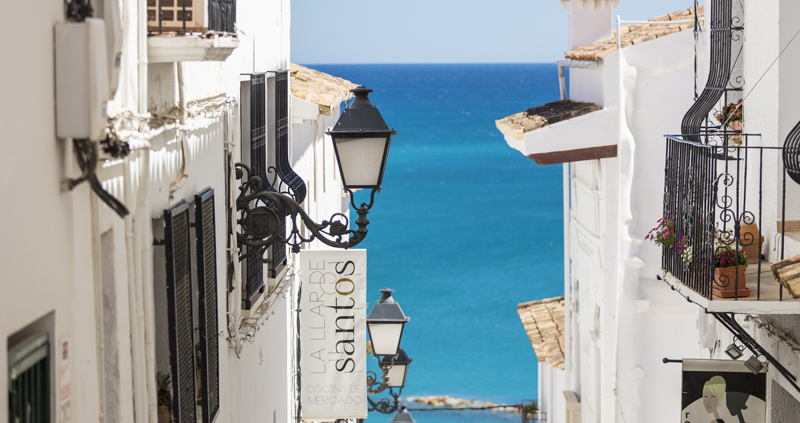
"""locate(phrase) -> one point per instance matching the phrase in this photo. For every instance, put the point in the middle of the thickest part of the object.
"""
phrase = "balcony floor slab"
(765, 298)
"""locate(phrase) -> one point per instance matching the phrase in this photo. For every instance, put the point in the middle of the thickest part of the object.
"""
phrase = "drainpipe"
(146, 237)
(139, 374)
(142, 44)
(98, 304)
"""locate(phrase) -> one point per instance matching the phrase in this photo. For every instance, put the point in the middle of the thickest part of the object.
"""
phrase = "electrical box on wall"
(82, 79)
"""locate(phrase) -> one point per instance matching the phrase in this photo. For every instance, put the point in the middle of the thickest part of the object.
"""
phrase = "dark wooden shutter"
(207, 287)
(258, 165)
(29, 381)
(179, 304)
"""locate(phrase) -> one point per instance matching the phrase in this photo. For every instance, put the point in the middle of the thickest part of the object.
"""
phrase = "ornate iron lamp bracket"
(261, 214)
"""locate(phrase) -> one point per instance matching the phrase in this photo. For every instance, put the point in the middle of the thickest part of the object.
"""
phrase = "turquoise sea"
(464, 229)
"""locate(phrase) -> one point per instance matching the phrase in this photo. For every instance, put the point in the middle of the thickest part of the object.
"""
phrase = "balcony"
(717, 186)
(190, 30)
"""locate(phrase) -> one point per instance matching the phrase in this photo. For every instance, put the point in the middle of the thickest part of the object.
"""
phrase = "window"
(29, 380)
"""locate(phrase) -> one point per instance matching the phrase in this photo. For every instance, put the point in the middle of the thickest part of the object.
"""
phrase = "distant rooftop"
(636, 34)
(534, 118)
(543, 321)
(319, 88)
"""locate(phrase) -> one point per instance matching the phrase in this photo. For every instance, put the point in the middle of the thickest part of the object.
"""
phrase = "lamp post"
(385, 324)
(361, 141)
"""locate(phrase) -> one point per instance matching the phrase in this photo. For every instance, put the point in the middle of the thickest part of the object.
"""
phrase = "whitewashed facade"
(620, 321)
(625, 312)
(95, 283)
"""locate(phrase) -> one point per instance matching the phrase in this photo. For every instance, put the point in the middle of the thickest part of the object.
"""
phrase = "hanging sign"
(722, 391)
(333, 318)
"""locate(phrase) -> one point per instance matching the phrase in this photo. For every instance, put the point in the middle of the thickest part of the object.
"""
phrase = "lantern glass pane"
(397, 375)
(361, 160)
(385, 337)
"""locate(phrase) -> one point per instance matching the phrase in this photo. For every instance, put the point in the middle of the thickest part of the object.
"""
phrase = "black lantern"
(361, 142)
(397, 367)
(385, 325)
(402, 416)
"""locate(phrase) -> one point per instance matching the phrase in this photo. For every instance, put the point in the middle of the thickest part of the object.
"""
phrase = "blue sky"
(442, 31)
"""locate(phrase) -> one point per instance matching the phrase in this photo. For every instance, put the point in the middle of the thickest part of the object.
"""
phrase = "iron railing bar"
(783, 223)
(760, 201)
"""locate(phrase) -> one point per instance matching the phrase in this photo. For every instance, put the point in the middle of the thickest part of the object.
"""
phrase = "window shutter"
(258, 165)
(179, 304)
(207, 284)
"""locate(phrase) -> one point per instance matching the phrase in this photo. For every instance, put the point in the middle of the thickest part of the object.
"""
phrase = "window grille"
(179, 305)
(207, 284)
(29, 381)
(191, 15)
(258, 165)
(724, 80)
(295, 186)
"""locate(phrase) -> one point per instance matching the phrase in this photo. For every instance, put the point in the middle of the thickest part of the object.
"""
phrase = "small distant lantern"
(361, 142)
(385, 325)
(402, 416)
(398, 368)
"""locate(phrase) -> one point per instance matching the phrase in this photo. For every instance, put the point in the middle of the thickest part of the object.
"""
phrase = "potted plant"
(529, 410)
(164, 399)
(664, 235)
(730, 264)
(732, 116)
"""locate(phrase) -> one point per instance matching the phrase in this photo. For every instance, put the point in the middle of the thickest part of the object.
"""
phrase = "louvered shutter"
(207, 288)
(179, 305)
(258, 165)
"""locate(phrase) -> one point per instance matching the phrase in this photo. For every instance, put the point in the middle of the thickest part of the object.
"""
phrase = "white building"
(620, 321)
(630, 303)
(99, 305)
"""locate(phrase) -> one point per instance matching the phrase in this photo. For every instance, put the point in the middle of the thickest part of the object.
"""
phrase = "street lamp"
(402, 416)
(361, 142)
(385, 325)
(397, 367)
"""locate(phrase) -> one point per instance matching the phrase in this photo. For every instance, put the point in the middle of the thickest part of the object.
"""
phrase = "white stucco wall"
(47, 232)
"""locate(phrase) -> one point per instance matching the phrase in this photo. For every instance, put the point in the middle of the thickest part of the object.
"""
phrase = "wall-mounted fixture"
(361, 142)
(734, 351)
(385, 324)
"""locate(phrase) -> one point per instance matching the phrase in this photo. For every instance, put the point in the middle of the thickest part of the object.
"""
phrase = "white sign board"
(333, 334)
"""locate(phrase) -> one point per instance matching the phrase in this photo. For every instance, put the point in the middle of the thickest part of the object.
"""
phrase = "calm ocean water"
(465, 228)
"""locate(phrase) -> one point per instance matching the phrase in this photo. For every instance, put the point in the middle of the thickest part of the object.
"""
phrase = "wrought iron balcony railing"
(186, 16)
(713, 190)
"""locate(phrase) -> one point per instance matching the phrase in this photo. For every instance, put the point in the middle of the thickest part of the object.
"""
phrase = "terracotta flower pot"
(737, 126)
(725, 282)
(164, 415)
(750, 234)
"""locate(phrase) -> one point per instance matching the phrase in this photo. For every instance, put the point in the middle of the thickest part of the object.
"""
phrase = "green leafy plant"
(164, 391)
(530, 408)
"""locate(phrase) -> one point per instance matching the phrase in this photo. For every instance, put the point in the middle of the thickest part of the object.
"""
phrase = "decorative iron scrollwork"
(262, 213)
(374, 387)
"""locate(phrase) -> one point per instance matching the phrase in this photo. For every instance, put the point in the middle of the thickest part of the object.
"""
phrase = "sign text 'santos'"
(333, 334)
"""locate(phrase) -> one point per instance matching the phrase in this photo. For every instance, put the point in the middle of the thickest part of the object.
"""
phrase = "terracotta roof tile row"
(534, 118)
(319, 88)
(543, 321)
(636, 34)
